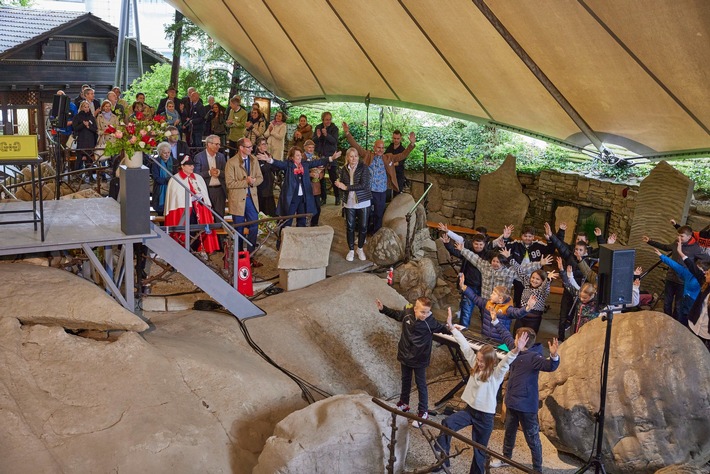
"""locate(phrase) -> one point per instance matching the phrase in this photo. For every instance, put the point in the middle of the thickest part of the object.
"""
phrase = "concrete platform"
(67, 224)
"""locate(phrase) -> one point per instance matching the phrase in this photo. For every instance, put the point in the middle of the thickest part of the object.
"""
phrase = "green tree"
(16, 3)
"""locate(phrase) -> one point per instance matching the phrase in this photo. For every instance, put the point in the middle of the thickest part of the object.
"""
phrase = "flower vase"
(135, 161)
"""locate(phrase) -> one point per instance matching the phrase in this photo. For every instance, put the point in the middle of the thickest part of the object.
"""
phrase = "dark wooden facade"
(37, 66)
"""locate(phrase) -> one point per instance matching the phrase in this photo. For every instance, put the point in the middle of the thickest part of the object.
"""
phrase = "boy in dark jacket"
(522, 393)
(414, 352)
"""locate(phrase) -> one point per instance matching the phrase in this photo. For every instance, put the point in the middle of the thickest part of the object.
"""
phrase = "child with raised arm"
(493, 271)
(480, 394)
(536, 283)
(499, 303)
(414, 350)
(522, 392)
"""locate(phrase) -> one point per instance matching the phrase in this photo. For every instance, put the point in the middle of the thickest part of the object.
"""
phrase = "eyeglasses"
(214, 143)
(247, 146)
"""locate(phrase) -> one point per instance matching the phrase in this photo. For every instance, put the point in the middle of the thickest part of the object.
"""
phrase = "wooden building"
(42, 51)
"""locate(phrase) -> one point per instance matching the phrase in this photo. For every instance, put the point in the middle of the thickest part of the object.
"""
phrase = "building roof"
(634, 73)
(24, 26)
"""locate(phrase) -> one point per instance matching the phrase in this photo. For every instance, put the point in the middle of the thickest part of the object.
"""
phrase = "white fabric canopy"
(629, 72)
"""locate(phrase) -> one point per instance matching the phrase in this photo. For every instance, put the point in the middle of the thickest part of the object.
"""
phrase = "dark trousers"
(420, 380)
(379, 201)
(531, 320)
(531, 430)
(197, 137)
(351, 215)
(250, 214)
(672, 298)
(333, 176)
(565, 318)
(218, 199)
(316, 215)
(481, 429)
(267, 205)
(297, 206)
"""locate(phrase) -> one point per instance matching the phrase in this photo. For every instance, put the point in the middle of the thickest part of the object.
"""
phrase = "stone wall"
(453, 200)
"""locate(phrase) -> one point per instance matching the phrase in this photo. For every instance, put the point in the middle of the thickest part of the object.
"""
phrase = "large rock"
(664, 194)
(191, 395)
(385, 247)
(51, 296)
(69, 404)
(342, 434)
(657, 411)
(417, 278)
(501, 200)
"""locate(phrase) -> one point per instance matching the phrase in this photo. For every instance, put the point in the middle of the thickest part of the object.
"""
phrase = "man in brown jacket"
(242, 175)
(382, 171)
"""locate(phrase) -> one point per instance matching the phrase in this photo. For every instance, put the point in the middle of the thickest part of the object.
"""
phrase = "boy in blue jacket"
(522, 394)
(414, 350)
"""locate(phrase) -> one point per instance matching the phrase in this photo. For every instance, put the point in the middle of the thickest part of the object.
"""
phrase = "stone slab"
(664, 194)
(291, 280)
(501, 200)
(317, 242)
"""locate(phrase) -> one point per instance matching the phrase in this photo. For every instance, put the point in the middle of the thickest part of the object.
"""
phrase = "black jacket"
(415, 342)
(360, 184)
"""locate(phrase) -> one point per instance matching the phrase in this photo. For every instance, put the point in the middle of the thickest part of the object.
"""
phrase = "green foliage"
(154, 82)
(468, 150)
(17, 3)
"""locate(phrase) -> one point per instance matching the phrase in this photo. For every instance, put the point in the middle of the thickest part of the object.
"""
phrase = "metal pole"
(121, 44)
(139, 47)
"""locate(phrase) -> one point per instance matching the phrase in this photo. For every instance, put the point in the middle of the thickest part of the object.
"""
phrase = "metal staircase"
(196, 271)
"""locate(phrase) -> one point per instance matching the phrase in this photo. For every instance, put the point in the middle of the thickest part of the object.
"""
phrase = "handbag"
(71, 142)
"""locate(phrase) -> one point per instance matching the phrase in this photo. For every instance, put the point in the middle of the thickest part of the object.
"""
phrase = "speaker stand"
(596, 460)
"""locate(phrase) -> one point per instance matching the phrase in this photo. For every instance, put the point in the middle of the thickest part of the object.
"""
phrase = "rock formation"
(658, 397)
(51, 296)
(501, 200)
(334, 435)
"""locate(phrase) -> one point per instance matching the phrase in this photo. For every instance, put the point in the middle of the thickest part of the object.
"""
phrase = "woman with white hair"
(161, 174)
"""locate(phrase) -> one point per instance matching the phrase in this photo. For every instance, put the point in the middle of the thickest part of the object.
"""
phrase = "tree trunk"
(177, 48)
(236, 79)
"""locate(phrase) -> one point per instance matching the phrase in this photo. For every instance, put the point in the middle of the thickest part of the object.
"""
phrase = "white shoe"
(350, 256)
(424, 415)
(498, 463)
(361, 254)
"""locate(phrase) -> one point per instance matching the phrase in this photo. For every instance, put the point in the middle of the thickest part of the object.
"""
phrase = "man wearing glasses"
(178, 148)
(210, 164)
(243, 175)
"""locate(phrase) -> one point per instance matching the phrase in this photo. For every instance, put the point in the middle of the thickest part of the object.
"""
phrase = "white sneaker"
(424, 415)
(361, 254)
(350, 256)
(498, 463)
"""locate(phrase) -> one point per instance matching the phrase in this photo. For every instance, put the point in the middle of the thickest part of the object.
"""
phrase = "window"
(77, 51)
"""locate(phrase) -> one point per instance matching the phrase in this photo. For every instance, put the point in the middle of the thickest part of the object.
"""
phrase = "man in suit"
(210, 164)
(243, 175)
(178, 148)
(196, 120)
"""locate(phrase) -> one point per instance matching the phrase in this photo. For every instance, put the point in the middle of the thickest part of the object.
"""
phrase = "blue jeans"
(531, 430)
(481, 429)
(379, 201)
(420, 379)
(250, 214)
(466, 308)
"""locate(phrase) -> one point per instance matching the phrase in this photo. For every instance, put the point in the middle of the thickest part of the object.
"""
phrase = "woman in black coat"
(86, 132)
(354, 181)
(296, 192)
(265, 190)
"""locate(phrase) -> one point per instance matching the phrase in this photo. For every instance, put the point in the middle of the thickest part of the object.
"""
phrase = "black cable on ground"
(306, 387)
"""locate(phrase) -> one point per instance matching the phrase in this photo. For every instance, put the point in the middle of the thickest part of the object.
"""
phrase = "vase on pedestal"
(134, 161)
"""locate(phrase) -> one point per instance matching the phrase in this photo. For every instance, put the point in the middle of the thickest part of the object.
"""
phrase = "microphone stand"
(596, 459)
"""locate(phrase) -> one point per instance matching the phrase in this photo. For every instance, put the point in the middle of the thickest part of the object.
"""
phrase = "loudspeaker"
(59, 110)
(616, 274)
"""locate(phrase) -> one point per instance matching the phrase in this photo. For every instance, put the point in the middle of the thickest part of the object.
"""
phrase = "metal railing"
(413, 210)
(439, 455)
